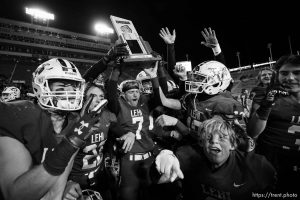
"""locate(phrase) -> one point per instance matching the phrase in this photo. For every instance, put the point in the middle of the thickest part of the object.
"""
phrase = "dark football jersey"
(88, 159)
(240, 176)
(283, 125)
(199, 111)
(26, 122)
(137, 119)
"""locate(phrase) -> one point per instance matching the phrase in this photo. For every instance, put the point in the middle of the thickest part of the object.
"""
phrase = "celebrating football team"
(164, 132)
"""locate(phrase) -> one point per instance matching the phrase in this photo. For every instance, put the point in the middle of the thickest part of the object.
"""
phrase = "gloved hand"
(269, 101)
(57, 160)
(81, 130)
(115, 52)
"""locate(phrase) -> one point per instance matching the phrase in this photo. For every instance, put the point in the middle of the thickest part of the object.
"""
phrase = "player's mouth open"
(215, 150)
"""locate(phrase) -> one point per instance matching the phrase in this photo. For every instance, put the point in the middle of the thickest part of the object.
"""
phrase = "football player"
(214, 168)
(38, 141)
(87, 163)
(133, 113)
(206, 88)
(276, 123)
(10, 94)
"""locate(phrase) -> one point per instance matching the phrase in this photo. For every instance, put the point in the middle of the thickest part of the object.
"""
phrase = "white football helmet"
(10, 93)
(171, 85)
(211, 77)
(145, 81)
(58, 69)
(91, 195)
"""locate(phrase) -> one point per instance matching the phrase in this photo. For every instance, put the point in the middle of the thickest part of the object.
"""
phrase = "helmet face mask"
(10, 94)
(67, 76)
(91, 195)
(211, 77)
(145, 82)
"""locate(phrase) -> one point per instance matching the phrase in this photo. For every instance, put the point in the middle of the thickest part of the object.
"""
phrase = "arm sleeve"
(96, 69)
(155, 100)
(112, 96)
(221, 58)
(172, 62)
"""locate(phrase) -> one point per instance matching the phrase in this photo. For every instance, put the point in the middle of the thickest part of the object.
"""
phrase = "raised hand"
(152, 72)
(210, 37)
(167, 36)
(180, 71)
(81, 130)
(116, 51)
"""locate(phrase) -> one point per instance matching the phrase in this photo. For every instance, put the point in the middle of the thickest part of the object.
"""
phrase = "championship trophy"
(139, 50)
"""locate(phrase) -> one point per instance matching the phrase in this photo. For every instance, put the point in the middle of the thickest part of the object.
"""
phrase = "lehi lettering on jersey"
(295, 119)
(98, 137)
(136, 113)
(211, 191)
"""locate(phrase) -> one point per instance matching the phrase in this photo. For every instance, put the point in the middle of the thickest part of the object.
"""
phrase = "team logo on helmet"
(10, 93)
(211, 77)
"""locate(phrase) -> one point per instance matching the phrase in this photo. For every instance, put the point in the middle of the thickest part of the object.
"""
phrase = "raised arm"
(169, 40)
(112, 88)
(113, 54)
(212, 42)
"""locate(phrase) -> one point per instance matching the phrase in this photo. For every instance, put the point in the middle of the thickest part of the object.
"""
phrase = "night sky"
(244, 26)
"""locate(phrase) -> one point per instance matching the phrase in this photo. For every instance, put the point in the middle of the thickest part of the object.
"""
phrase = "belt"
(139, 156)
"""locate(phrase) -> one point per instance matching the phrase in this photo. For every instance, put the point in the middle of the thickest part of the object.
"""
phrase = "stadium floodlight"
(102, 28)
(39, 14)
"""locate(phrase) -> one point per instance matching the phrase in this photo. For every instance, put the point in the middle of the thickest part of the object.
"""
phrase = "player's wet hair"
(217, 125)
(130, 84)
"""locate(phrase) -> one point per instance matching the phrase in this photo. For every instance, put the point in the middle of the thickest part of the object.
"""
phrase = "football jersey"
(137, 119)
(199, 111)
(283, 125)
(240, 176)
(26, 122)
(88, 159)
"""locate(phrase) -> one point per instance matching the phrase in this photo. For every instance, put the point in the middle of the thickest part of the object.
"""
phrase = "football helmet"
(58, 69)
(10, 93)
(145, 82)
(171, 85)
(91, 195)
(211, 77)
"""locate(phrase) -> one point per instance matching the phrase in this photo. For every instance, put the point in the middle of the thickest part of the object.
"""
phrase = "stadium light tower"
(103, 29)
(38, 15)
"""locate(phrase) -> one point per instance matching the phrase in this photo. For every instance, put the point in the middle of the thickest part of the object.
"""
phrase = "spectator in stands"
(10, 93)
(214, 168)
(265, 77)
(276, 126)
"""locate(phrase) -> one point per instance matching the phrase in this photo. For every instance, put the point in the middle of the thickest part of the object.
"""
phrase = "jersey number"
(140, 120)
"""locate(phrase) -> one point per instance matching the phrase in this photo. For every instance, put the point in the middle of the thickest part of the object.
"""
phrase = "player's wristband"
(57, 160)
(263, 112)
(217, 50)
